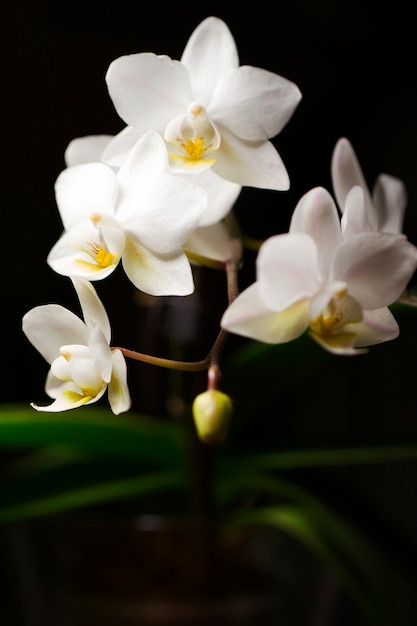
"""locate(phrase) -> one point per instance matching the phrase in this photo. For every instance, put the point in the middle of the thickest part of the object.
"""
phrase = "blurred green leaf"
(322, 457)
(352, 558)
(79, 485)
(96, 431)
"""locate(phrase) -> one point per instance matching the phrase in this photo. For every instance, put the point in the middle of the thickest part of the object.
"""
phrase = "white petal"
(346, 173)
(119, 147)
(148, 159)
(212, 242)
(50, 326)
(148, 90)
(93, 310)
(163, 275)
(250, 164)
(376, 266)
(85, 375)
(253, 103)
(86, 149)
(166, 213)
(209, 53)
(221, 196)
(356, 219)
(376, 327)
(100, 353)
(390, 198)
(248, 316)
(55, 386)
(287, 270)
(118, 391)
(316, 215)
(85, 189)
(338, 343)
(68, 399)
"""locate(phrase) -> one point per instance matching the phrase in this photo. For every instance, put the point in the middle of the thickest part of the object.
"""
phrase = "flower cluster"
(158, 197)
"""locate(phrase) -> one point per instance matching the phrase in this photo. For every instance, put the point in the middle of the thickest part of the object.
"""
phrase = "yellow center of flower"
(193, 139)
(194, 147)
(341, 310)
(326, 323)
(97, 248)
(103, 257)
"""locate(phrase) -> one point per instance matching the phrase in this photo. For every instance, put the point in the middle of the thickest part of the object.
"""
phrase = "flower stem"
(213, 357)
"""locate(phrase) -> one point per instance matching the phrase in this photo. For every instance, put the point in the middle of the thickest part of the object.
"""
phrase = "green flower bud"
(212, 412)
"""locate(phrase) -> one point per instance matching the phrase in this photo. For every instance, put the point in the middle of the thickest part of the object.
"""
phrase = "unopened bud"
(212, 411)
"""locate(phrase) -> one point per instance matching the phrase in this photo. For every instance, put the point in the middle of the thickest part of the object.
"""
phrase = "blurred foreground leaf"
(94, 430)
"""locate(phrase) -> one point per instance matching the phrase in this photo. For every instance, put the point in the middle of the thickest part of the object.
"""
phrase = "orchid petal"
(67, 400)
(165, 214)
(376, 266)
(100, 353)
(390, 198)
(376, 327)
(63, 327)
(147, 160)
(250, 317)
(212, 242)
(316, 215)
(221, 196)
(346, 173)
(93, 310)
(162, 275)
(118, 391)
(85, 189)
(209, 53)
(180, 164)
(287, 270)
(338, 343)
(55, 386)
(355, 218)
(85, 375)
(86, 149)
(253, 103)
(147, 90)
(120, 145)
(255, 164)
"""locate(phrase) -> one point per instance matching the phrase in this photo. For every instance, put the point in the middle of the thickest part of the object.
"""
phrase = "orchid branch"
(212, 361)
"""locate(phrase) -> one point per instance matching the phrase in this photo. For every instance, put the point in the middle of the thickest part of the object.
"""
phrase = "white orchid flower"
(83, 366)
(311, 278)
(383, 209)
(211, 112)
(140, 215)
(211, 238)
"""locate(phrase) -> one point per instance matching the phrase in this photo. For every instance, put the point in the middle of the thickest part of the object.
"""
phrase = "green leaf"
(94, 430)
(352, 558)
(322, 457)
(82, 485)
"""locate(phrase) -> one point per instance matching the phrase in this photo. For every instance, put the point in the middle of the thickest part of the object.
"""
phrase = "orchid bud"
(212, 412)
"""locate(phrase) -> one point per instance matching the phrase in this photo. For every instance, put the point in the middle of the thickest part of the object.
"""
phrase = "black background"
(354, 64)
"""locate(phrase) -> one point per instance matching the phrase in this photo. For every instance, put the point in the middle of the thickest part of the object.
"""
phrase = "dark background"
(354, 64)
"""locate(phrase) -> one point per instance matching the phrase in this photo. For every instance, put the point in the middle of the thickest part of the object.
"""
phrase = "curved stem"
(184, 366)
(212, 360)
